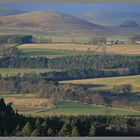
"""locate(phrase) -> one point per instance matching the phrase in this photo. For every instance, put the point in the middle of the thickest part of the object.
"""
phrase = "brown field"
(132, 49)
(28, 102)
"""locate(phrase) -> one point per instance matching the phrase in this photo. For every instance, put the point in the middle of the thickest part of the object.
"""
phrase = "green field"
(50, 52)
(28, 104)
(14, 71)
(103, 84)
(73, 108)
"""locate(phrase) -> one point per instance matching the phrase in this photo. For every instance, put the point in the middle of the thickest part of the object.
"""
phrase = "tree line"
(51, 89)
(11, 57)
(119, 96)
(95, 61)
(72, 74)
(15, 39)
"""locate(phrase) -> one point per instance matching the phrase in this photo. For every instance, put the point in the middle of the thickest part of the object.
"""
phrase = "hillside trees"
(15, 39)
(92, 131)
(66, 130)
(26, 130)
(75, 132)
(9, 51)
(122, 89)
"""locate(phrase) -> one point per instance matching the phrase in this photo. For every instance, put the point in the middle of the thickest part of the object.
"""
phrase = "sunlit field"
(103, 84)
(128, 49)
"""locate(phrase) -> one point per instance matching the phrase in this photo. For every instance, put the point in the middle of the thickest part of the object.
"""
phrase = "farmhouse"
(114, 42)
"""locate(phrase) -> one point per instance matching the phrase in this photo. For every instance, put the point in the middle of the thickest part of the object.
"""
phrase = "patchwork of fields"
(73, 49)
(28, 104)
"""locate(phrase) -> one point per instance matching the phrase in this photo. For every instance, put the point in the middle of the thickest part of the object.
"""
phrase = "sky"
(72, 8)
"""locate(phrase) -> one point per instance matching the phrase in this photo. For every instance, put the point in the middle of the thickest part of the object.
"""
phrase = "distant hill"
(129, 23)
(52, 22)
(56, 24)
(114, 18)
(5, 11)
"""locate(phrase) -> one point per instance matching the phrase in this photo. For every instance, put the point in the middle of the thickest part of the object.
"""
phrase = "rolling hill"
(129, 23)
(6, 11)
(60, 26)
(110, 18)
(52, 22)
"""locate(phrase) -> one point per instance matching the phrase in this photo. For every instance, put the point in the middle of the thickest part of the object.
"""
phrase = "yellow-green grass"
(50, 53)
(76, 108)
(101, 84)
(14, 71)
(130, 49)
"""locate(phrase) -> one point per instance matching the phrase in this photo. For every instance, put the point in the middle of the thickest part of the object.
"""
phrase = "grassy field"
(129, 49)
(14, 71)
(73, 108)
(29, 104)
(51, 53)
(102, 84)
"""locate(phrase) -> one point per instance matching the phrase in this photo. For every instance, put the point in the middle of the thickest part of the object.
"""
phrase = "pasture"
(50, 53)
(29, 104)
(105, 84)
(76, 108)
(66, 49)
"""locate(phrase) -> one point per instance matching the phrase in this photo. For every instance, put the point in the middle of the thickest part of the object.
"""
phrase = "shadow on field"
(90, 85)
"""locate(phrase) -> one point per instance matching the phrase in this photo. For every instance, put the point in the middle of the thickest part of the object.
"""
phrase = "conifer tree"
(44, 129)
(66, 130)
(50, 132)
(75, 132)
(92, 131)
(26, 130)
(35, 133)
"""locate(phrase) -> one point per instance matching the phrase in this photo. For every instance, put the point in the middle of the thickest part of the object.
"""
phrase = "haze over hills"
(6, 11)
(51, 21)
(110, 17)
(61, 24)
(129, 23)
